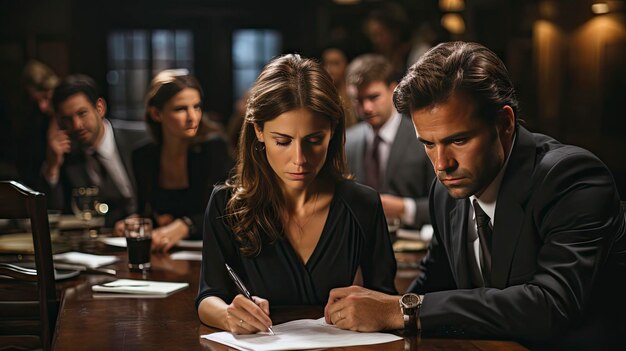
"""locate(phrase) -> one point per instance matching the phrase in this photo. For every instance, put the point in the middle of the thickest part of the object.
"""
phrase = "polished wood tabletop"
(86, 322)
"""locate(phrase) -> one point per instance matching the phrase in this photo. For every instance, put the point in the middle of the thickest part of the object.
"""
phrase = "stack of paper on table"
(84, 259)
(300, 334)
(137, 288)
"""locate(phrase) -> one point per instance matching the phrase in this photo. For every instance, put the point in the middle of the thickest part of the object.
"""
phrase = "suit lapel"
(76, 170)
(511, 202)
(359, 155)
(458, 228)
(398, 148)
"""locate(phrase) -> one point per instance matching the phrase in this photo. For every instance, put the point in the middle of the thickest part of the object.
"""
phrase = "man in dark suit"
(529, 235)
(384, 143)
(86, 152)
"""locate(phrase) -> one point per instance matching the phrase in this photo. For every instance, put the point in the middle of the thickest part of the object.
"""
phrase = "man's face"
(82, 120)
(374, 102)
(465, 151)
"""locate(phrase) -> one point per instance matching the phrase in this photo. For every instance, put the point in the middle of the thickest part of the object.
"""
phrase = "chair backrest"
(20, 202)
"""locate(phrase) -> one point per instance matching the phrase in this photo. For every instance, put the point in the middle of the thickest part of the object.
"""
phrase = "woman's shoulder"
(221, 192)
(209, 142)
(354, 193)
(146, 148)
(145, 153)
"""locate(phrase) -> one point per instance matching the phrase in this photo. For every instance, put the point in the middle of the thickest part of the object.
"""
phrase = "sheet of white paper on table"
(84, 259)
(141, 287)
(302, 334)
(187, 255)
(120, 241)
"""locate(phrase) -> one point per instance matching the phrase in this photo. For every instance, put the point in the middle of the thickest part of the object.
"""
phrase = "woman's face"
(180, 116)
(335, 63)
(296, 145)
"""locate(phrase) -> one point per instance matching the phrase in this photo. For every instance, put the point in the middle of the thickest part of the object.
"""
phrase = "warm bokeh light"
(600, 8)
(451, 5)
(453, 22)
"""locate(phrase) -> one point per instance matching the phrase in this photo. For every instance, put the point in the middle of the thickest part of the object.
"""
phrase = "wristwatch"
(189, 224)
(410, 305)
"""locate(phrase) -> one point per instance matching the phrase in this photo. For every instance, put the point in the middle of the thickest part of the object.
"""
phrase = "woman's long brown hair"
(287, 83)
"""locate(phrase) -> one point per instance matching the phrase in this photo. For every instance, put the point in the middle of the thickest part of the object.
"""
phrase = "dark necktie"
(109, 193)
(373, 165)
(108, 187)
(485, 235)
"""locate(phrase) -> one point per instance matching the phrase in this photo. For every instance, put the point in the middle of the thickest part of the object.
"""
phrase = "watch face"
(410, 300)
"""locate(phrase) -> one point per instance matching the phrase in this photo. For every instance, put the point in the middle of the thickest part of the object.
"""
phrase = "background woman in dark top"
(289, 221)
(175, 174)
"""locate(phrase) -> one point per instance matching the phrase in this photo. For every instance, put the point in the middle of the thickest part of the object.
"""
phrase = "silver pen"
(242, 288)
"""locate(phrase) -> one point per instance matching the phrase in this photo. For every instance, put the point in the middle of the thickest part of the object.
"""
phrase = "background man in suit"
(382, 151)
(546, 266)
(86, 150)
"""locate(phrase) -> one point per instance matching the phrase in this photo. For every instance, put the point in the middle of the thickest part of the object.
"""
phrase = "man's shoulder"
(129, 134)
(356, 132)
(551, 153)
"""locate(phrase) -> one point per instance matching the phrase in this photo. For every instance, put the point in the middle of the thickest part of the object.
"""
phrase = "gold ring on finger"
(241, 322)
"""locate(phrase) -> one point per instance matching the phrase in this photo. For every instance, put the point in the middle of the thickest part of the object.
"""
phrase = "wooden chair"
(27, 324)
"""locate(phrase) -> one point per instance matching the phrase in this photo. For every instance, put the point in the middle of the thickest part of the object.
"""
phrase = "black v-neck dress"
(354, 235)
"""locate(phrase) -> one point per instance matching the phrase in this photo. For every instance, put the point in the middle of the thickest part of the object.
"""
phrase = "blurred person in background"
(86, 151)
(387, 28)
(34, 121)
(335, 61)
(382, 150)
(175, 173)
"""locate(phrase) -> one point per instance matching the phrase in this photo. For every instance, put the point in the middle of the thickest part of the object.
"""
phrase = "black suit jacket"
(409, 172)
(208, 163)
(73, 174)
(558, 256)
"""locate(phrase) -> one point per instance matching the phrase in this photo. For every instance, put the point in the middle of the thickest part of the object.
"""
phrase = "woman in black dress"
(175, 173)
(289, 221)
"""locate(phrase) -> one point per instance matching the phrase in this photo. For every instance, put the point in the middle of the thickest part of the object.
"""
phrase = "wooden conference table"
(86, 322)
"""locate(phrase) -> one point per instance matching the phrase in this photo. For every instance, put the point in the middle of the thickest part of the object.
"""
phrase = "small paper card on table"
(138, 288)
(84, 259)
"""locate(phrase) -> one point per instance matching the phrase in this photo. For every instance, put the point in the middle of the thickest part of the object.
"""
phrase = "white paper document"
(187, 255)
(144, 288)
(300, 334)
(120, 241)
(84, 259)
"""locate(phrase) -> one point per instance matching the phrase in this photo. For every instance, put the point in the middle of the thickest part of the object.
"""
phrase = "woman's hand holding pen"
(244, 316)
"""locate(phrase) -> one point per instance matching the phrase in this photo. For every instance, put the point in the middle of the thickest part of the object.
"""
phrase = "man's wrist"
(410, 305)
(189, 223)
(408, 213)
(50, 173)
